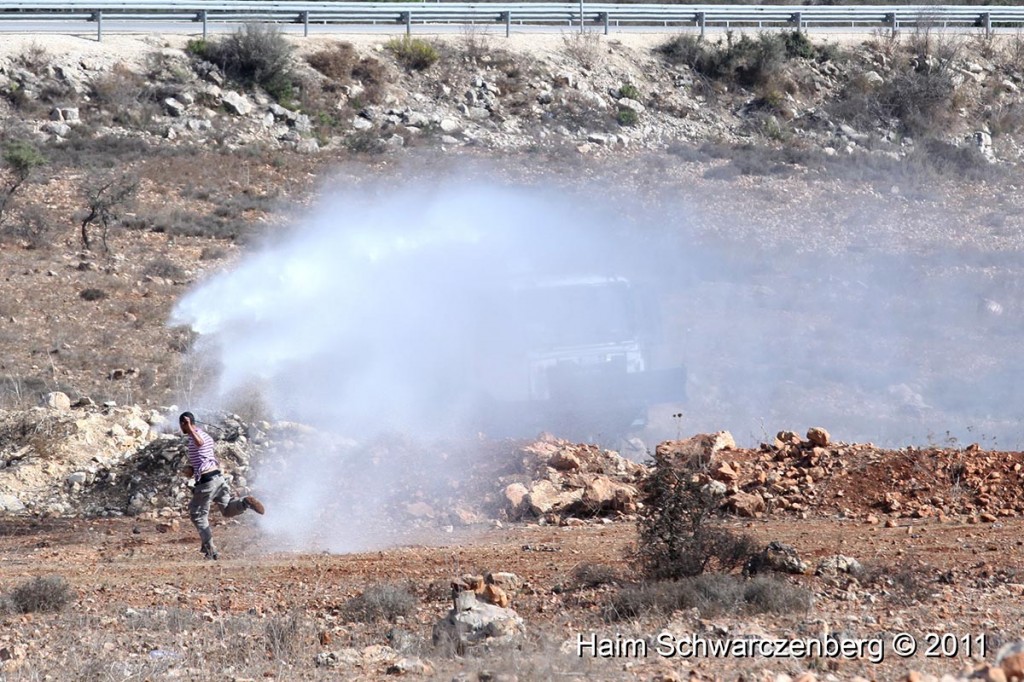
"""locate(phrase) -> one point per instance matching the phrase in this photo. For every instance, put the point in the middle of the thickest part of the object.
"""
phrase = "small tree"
(106, 201)
(677, 533)
(20, 159)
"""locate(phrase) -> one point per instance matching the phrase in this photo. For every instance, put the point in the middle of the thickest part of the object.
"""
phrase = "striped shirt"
(201, 457)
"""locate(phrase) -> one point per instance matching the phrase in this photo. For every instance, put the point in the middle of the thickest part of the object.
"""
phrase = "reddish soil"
(119, 569)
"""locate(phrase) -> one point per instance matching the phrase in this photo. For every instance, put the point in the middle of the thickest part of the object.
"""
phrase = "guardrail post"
(798, 19)
(893, 23)
(702, 22)
(604, 17)
(507, 16)
(986, 20)
(407, 16)
(98, 16)
(202, 18)
(305, 24)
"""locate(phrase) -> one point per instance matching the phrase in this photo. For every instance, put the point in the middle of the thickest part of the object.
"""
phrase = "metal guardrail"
(581, 14)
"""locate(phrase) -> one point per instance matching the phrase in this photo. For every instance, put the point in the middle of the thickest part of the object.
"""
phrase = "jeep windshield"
(567, 314)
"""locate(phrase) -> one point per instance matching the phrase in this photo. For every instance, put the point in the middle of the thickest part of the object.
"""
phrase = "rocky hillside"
(886, 97)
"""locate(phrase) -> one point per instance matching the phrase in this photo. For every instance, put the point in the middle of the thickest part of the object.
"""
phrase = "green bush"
(798, 45)
(21, 157)
(199, 47)
(629, 91)
(50, 593)
(677, 534)
(627, 117)
(253, 55)
(749, 61)
(414, 54)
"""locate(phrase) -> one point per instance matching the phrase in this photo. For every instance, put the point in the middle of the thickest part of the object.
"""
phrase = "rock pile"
(561, 480)
(85, 459)
(480, 614)
(813, 474)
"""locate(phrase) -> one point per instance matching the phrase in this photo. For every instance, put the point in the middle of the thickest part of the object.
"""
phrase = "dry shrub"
(285, 637)
(902, 585)
(749, 61)
(575, 109)
(594, 575)
(584, 48)
(711, 594)
(34, 58)
(335, 62)
(125, 97)
(34, 226)
(386, 602)
(373, 76)
(753, 159)
(213, 253)
(161, 266)
(93, 294)
(919, 93)
(364, 142)
(43, 594)
(1006, 118)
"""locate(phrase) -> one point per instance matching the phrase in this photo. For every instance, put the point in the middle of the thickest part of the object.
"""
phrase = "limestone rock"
(564, 461)
(236, 103)
(174, 107)
(10, 503)
(835, 565)
(603, 494)
(746, 504)
(56, 401)
(872, 78)
(818, 437)
(515, 497)
(510, 582)
(632, 104)
(1011, 659)
(473, 622)
(696, 451)
(410, 666)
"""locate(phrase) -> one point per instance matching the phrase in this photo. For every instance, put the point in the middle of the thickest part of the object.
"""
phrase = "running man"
(210, 484)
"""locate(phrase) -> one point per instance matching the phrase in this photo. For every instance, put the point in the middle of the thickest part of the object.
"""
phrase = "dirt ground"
(146, 607)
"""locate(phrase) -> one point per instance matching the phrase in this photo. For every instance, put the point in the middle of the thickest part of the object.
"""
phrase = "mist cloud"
(378, 313)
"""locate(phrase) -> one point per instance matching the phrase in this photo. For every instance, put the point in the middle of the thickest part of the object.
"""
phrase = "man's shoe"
(209, 551)
(254, 504)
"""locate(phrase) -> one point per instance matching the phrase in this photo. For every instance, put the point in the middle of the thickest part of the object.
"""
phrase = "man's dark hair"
(191, 417)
